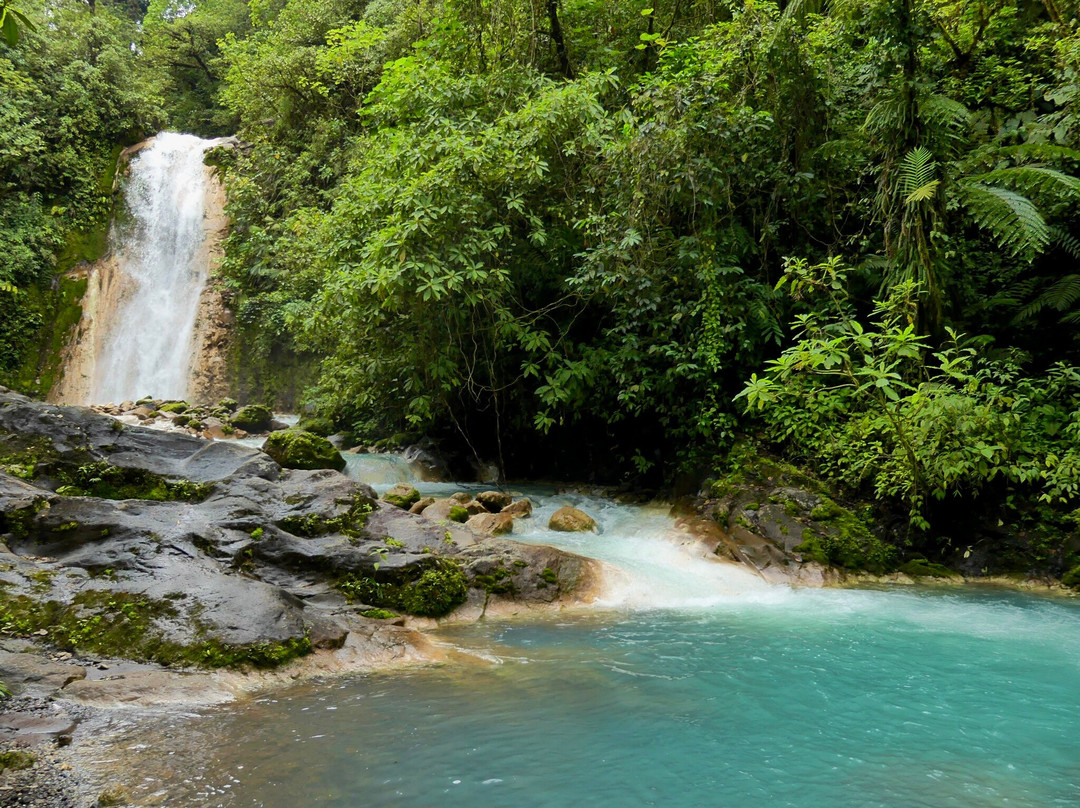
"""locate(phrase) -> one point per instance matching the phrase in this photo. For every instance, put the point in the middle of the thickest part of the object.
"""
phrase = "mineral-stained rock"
(571, 520)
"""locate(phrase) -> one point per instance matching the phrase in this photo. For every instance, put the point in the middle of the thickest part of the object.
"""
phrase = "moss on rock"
(253, 418)
(297, 449)
(430, 590)
(124, 624)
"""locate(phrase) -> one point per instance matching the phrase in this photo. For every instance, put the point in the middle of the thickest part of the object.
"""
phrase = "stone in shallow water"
(494, 501)
(519, 509)
(571, 520)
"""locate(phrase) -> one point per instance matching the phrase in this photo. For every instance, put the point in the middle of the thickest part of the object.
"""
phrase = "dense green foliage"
(564, 234)
(72, 91)
(482, 237)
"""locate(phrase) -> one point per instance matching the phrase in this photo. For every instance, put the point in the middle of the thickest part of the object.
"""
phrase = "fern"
(1011, 218)
(1033, 180)
(917, 171)
(8, 288)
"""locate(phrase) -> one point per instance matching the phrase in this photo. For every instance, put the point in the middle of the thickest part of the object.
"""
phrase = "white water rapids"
(161, 252)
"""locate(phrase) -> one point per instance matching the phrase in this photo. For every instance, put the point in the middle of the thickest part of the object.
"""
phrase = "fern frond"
(798, 9)
(917, 171)
(1042, 152)
(1033, 180)
(922, 194)
(1011, 218)
(1067, 241)
(949, 117)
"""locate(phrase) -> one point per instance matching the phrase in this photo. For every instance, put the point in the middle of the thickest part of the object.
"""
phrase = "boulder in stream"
(571, 520)
(297, 449)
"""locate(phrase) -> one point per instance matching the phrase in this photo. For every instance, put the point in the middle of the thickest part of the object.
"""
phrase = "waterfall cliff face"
(141, 334)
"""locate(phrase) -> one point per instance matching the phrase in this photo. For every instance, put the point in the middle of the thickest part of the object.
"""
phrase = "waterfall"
(147, 346)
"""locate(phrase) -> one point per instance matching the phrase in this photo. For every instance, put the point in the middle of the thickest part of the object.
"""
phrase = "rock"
(244, 568)
(491, 524)
(113, 795)
(571, 520)
(30, 730)
(143, 413)
(445, 510)
(473, 507)
(520, 509)
(424, 456)
(252, 418)
(419, 506)
(461, 497)
(296, 449)
(402, 495)
(33, 675)
(494, 501)
(214, 429)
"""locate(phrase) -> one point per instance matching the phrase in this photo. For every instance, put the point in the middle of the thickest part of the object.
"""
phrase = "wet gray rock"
(251, 566)
(34, 675)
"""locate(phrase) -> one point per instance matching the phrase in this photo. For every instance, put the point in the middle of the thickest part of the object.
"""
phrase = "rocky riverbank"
(156, 568)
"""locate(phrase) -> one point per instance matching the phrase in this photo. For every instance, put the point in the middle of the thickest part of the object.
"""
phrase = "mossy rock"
(175, 407)
(1072, 578)
(922, 568)
(320, 426)
(458, 514)
(432, 590)
(253, 418)
(402, 495)
(16, 760)
(297, 449)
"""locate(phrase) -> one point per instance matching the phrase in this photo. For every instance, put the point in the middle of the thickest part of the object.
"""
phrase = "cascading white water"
(162, 257)
(651, 564)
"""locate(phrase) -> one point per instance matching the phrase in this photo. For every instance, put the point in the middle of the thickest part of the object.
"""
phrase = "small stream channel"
(692, 683)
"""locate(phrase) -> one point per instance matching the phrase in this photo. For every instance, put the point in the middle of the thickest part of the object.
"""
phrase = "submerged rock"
(571, 520)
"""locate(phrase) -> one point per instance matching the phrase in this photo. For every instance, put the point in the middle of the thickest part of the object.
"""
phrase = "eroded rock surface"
(230, 559)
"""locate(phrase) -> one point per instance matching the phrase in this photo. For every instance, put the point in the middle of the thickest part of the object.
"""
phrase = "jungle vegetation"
(610, 239)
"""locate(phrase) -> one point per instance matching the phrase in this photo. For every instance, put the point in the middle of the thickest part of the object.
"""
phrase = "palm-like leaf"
(917, 175)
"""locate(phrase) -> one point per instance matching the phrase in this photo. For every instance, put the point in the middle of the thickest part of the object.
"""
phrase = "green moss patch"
(16, 760)
(107, 481)
(122, 624)
(297, 449)
(922, 568)
(309, 526)
(431, 590)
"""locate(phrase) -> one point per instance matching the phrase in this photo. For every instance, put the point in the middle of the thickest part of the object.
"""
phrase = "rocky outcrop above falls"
(130, 542)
